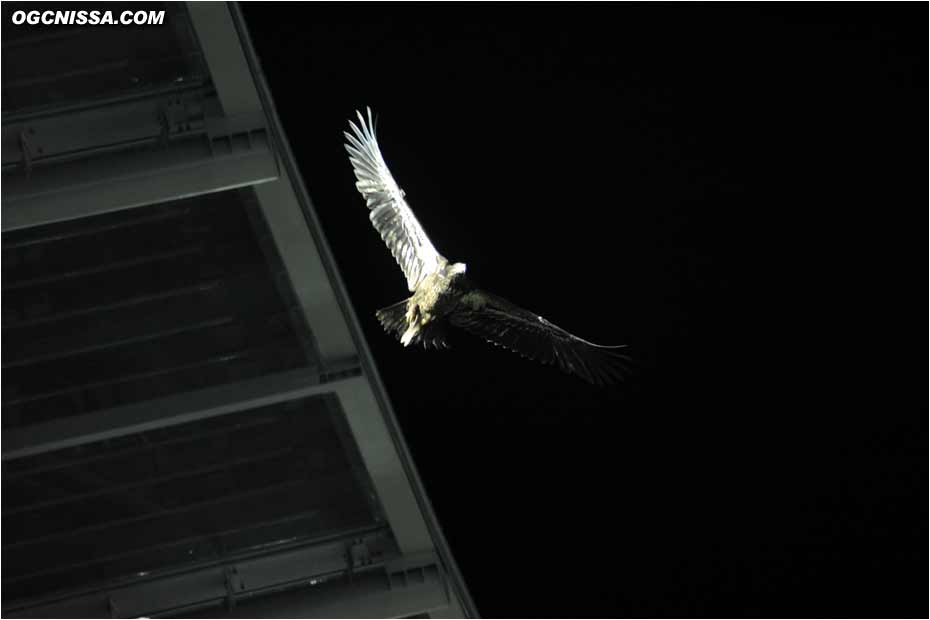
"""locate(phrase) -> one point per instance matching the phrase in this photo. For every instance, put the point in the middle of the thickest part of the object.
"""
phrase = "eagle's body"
(436, 296)
(442, 294)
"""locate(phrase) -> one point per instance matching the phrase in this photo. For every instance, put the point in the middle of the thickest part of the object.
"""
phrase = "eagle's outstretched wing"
(507, 325)
(390, 214)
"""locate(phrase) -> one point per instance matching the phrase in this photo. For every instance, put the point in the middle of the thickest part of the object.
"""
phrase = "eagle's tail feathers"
(394, 318)
(394, 321)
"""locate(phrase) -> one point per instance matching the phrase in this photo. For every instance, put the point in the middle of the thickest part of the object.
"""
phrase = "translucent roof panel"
(143, 303)
(201, 492)
(50, 66)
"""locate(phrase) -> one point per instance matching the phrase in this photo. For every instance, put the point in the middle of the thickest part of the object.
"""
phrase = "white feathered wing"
(390, 214)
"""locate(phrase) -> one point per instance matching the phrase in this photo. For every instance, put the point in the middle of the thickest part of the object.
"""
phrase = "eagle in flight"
(442, 294)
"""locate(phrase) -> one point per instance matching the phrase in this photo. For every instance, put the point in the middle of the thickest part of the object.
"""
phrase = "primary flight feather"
(444, 296)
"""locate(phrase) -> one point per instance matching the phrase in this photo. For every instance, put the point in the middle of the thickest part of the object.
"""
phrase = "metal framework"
(211, 140)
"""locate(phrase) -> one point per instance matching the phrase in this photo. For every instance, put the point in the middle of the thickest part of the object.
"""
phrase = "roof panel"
(47, 66)
(200, 492)
(170, 416)
(137, 304)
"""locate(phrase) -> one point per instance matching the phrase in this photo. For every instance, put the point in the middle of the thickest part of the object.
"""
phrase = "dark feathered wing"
(507, 325)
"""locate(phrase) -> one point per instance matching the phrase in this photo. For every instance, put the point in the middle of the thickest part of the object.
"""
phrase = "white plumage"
(390, 214)
(442, 294)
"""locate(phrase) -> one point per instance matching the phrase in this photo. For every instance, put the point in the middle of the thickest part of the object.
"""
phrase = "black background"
(739, 193)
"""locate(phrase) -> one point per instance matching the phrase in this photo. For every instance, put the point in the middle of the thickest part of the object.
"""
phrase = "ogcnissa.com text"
(89, 18)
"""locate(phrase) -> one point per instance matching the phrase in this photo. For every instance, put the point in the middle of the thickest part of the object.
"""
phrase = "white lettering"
(92, 18)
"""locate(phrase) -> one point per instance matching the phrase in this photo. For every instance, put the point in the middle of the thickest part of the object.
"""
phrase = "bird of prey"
(444, 296)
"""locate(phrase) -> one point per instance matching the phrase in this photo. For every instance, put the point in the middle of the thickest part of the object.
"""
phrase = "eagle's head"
(457, 268)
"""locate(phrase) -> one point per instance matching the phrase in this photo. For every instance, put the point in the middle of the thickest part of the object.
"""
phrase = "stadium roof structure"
(192, 423)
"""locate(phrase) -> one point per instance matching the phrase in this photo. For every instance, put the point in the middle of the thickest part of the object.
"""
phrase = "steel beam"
(304, 266)
(168, 411)
(119, 180)
(383, 464)
(228, 584)
(370, 595)
(142, 149)
(225, 59)
(402, 489)
(83, 132)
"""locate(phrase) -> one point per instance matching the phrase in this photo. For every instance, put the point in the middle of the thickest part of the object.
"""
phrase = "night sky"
(738, 193)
